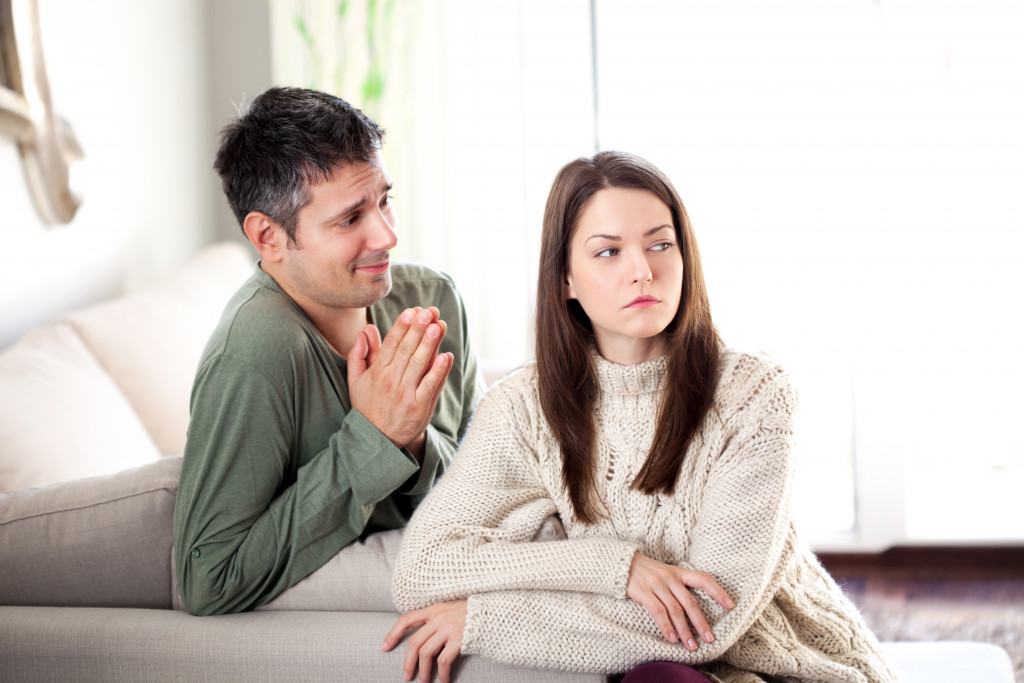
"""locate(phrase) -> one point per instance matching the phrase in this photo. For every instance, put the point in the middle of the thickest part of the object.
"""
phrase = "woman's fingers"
(447, 658)
(665, 592)
(692, 616)
(707, 583)
(680, 605)
(659, 613)
(439, 635)
(405, 622)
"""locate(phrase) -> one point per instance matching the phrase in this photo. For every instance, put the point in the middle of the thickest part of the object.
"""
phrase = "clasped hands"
(664, 591)
(395, 383)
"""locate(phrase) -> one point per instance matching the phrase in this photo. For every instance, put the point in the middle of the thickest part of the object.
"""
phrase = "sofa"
(93, 415)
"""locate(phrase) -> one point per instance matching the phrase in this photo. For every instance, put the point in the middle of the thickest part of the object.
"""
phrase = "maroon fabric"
(664, 672)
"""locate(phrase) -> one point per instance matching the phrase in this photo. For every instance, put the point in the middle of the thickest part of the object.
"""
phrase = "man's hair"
(286, 141)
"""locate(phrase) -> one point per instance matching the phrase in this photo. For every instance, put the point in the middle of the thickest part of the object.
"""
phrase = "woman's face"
(626, 271)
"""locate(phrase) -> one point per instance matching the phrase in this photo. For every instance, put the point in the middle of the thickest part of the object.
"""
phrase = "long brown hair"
(568, 384)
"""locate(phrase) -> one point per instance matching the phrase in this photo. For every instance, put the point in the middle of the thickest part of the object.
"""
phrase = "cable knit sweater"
(562, 604)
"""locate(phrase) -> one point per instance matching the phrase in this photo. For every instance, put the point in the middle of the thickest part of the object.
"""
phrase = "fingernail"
(709, 636)
(433, 331)
(672, 637)
(407, 317)
(691, 644)
(424, 317)
(729, 604)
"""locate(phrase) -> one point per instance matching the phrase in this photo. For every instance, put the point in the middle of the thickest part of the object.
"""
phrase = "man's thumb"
(357, 355)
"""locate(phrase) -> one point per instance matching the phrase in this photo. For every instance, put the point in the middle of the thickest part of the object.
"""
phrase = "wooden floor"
(939, 594)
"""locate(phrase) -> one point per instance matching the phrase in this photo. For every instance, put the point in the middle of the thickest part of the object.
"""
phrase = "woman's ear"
(570, 293)
(266, 235)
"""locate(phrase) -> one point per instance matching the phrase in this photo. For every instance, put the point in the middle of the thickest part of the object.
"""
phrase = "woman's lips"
(642, 302)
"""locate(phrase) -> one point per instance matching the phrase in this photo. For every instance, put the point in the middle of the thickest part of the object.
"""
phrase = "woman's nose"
(641, 270)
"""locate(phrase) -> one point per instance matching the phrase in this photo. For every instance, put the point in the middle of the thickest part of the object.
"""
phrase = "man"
(307, 429)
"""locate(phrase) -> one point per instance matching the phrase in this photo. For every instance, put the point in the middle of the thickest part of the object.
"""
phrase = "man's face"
(339, 258)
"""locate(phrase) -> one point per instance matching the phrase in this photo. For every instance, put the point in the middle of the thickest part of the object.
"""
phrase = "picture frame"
(49, 150)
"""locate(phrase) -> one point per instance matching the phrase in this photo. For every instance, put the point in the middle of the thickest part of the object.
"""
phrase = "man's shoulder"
(409, 274)
(414, 284)
(258, 325)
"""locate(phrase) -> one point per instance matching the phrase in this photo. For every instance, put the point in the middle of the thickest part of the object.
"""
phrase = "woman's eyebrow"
(613, 238)
(616, 238)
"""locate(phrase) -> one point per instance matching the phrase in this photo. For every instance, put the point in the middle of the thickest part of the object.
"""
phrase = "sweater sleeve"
(739, 538)
(241, 536)
(472, 533)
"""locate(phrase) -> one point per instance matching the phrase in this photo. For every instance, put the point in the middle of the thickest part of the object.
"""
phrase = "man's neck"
(339, 326)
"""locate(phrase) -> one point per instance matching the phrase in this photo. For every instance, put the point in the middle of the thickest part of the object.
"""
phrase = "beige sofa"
(93, 413)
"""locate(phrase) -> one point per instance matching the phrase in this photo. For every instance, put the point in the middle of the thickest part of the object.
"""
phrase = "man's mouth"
(375, 268)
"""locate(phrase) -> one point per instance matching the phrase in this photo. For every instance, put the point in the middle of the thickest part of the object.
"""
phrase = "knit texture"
(563, 604)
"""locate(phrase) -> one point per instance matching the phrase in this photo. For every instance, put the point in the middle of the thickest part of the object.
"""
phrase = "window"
(854, 171)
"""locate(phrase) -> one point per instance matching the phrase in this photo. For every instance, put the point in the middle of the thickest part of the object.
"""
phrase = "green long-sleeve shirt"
(279, 473)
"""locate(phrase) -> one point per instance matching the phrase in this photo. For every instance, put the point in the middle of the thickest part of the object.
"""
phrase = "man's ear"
(266, 235)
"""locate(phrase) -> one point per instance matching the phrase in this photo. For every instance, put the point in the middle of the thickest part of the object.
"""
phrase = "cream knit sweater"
(562, 604)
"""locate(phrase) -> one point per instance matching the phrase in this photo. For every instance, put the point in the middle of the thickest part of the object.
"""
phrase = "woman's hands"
(664, 591)
(440, 636)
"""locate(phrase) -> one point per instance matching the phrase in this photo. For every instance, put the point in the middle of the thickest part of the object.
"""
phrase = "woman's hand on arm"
(439, 635)
(664, 591)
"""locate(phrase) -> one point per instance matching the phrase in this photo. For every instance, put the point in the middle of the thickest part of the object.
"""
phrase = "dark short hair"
(286, 141)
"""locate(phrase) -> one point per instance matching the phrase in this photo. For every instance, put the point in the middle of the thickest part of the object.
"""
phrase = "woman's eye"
(662, 246)
(610, 251)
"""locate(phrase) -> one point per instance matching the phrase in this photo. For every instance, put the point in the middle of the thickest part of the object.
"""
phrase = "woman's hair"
(568, 384)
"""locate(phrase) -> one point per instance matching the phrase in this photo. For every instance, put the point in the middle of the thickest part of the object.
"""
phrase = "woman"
(667, 458)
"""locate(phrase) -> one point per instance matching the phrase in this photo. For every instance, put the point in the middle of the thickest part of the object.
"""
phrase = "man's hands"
(440, 635)
(395, 384)
(664, 591)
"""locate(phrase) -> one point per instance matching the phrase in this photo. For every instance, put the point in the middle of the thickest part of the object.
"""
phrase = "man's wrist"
(417, 448)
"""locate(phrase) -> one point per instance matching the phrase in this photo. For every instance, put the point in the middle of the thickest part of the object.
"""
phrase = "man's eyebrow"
(616, 238)
(354, 206)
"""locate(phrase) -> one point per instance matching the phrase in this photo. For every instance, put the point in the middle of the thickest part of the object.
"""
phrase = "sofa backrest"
(107, 388)
(149, 343)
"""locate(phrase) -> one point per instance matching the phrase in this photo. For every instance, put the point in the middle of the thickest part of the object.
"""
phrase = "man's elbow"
(203, 594)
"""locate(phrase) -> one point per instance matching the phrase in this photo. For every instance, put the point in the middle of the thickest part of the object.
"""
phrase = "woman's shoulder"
(752, 381)
(515, 392)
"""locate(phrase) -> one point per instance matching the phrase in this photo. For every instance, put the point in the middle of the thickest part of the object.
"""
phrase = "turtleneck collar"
(641, 378)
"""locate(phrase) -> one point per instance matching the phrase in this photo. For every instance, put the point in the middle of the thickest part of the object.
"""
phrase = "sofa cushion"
(104, 645)
(61, 417)
(150, 342)
(100, 542)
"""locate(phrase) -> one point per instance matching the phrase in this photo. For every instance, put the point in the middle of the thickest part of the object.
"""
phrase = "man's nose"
(382, 235)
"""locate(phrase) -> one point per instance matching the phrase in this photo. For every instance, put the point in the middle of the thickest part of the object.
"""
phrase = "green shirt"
(279, 473)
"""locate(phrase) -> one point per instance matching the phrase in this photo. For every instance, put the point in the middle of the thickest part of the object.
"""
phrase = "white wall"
(137, 83)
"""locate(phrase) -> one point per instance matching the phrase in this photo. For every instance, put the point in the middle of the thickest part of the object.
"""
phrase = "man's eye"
(388, 198)
(348, 221)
